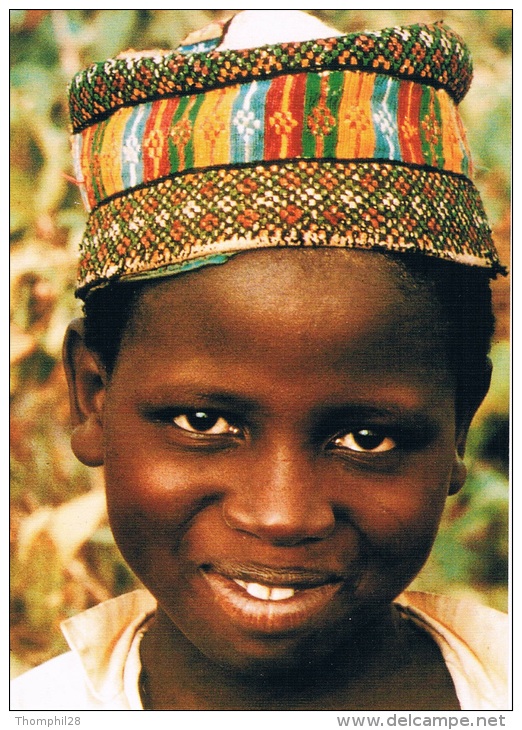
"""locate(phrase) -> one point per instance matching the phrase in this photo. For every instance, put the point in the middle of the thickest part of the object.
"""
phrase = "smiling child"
(287, 321)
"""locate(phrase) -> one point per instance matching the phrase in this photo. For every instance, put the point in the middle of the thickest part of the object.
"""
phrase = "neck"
(178, 676)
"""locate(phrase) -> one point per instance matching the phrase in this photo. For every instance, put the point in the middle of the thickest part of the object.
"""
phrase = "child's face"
(279, 441)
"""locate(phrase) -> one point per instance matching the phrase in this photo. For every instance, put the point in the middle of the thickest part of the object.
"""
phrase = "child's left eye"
(366, 440)
(204, 422)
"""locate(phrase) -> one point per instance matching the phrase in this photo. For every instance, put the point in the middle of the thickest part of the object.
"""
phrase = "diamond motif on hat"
(282, 122)
(246, 123)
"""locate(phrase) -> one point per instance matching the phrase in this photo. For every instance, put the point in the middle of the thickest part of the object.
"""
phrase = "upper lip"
(294, 577)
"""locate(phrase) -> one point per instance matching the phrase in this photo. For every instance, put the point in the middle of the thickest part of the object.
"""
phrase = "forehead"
(312, 305)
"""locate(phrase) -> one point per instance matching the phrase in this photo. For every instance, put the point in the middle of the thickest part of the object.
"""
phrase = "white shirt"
(102, 670)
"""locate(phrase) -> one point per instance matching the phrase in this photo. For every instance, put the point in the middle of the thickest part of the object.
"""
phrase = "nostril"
(280, 527)
(293, 541)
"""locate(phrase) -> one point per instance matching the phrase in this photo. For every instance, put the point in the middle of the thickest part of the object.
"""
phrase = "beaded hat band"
(188, 157)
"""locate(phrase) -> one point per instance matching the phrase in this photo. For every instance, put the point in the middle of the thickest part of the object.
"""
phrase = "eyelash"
(221, 426)
(382, 442)
(215, 419)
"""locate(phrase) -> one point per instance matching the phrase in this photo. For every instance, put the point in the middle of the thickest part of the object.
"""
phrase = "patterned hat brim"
(203, 217)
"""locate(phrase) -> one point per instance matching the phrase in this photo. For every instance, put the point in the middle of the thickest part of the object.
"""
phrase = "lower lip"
(270, 617)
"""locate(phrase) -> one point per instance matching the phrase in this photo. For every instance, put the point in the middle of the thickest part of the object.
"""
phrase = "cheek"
(153, 500)
(404, 529)
(399, 522)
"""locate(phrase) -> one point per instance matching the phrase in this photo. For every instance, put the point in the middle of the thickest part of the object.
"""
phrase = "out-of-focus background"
(63, 557)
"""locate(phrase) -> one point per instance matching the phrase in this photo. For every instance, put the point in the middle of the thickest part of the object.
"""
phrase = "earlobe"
(459, 473)
(476, 392)
(86, 380)
(87, 442)
(459, 470)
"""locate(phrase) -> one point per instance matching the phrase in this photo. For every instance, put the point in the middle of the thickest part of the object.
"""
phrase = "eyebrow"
(193, 398)
(404, 417)
(227, 401)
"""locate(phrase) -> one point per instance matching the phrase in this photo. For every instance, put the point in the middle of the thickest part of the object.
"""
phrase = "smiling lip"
(269, 600)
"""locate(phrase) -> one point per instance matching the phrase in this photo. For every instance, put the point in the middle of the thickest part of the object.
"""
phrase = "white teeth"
(265, 593)
(258, 591)
(279, 594)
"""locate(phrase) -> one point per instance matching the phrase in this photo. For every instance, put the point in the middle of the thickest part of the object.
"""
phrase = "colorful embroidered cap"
(241, 139)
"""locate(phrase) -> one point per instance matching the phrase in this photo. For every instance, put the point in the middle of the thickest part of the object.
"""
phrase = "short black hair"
(462, 295)
(107, 312)
(464, 299)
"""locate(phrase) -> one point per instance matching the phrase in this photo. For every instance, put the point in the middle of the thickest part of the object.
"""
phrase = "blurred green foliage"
(63, 556)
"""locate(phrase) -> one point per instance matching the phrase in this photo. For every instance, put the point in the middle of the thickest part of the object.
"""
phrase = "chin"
(271, 660)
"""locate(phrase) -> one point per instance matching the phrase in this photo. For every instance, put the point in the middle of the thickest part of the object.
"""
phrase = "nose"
(281, 500)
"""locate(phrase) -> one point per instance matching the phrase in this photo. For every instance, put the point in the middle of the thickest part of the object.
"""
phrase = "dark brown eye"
(204, 422)
(366, 440)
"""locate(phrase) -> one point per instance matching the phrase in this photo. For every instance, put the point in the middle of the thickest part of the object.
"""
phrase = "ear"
(468, 405)
(87, 382)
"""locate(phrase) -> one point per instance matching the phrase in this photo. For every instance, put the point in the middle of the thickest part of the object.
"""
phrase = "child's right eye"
(204, 423)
